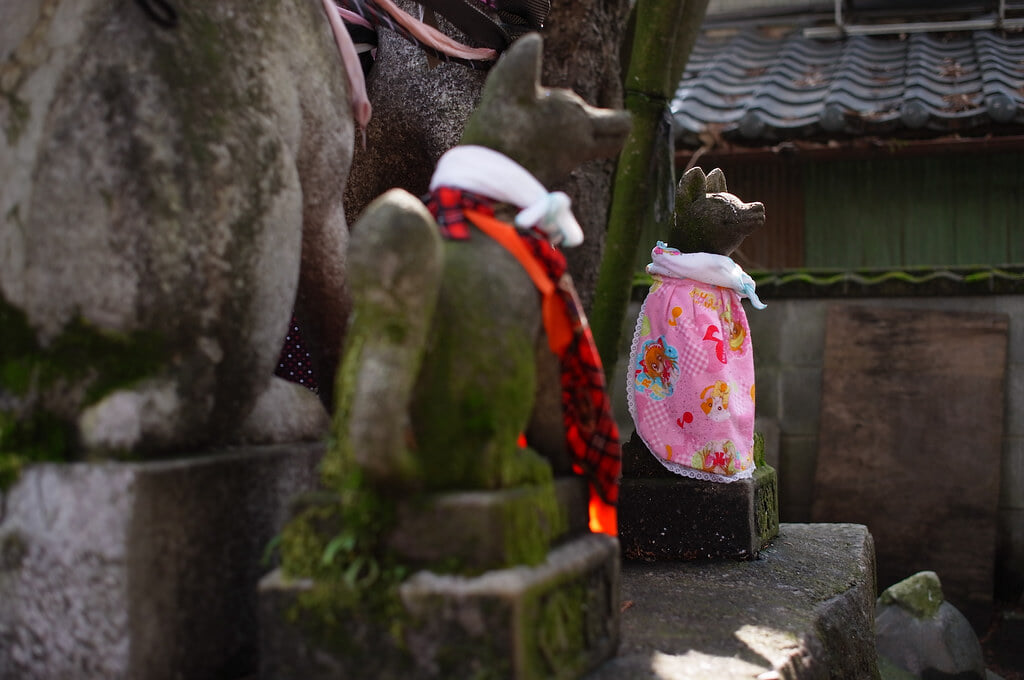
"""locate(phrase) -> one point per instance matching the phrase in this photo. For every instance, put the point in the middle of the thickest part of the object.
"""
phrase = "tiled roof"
(754, 88)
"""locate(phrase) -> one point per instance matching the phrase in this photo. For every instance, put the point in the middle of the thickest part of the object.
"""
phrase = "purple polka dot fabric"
(295, 364)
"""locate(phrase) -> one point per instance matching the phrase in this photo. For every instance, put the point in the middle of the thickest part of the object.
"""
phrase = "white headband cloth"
(715, 270)
(489, 173)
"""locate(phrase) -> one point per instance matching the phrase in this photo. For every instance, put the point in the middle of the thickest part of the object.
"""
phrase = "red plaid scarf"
(592, 435)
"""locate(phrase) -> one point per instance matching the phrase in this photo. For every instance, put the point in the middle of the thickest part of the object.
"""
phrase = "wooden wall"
(882, 212)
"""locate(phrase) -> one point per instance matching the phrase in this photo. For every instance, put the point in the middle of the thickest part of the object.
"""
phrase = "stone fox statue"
(449, 359)
(698, 420)
(162, 178)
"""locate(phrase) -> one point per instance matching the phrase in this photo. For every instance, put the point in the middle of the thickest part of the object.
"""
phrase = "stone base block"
(113, 571)
(557, 620)
(804, 610)
(490, 529)
(664, 516)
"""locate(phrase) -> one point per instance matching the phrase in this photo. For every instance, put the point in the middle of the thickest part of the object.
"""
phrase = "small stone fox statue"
(447, 361)
(690, 382)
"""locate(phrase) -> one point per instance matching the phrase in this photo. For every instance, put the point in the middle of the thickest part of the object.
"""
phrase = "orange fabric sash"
(556, 318)
(557, 323)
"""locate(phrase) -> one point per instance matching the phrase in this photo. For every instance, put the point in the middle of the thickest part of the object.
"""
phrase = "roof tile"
(752, 88)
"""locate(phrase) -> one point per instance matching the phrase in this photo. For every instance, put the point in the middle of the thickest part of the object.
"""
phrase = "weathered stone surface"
(556, 620)
(125, 571)
(805, 609)
(490, 529)
(582, 49)
(419, 112)
(910, 439)
(667, 516)
(708, 218)
(918, 631)
(158, 180)
(395, 276)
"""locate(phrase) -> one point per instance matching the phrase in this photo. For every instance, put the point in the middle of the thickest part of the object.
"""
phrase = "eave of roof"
(752, 85)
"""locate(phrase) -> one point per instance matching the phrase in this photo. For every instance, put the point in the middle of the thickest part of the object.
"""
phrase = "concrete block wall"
(789, 339)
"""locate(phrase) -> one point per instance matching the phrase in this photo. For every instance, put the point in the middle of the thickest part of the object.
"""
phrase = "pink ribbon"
(361, 109)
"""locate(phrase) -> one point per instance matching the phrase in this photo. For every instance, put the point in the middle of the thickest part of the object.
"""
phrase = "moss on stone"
(103, 360)
(347, 626)
(529, 527)
(920, 594)
(17, 121)
(335, 541)
(470, 438)
(201, 74)
(41, 438)
(13, 549)
(89, 361)
(759, 460)
(557, 622)
(353, 607)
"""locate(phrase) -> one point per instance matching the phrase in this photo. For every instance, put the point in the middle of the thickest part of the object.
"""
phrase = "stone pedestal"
(664, 516)
(145, 571)
(556, 620)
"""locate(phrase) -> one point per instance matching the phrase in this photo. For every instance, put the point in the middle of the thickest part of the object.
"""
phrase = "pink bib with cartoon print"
(691, 369)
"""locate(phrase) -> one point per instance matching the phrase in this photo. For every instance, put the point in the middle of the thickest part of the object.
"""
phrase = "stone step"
(805, 609)
(117, 571)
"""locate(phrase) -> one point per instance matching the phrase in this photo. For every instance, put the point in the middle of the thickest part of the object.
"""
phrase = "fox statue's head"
(549, 131)
(708, 218)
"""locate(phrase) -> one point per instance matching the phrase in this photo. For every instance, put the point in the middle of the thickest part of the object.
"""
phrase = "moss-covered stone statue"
(459, 321)
(452, 450)
(164, 168)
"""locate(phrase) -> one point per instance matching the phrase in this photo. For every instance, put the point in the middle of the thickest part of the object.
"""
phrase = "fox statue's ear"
(716, 182)
(692, 186)
(514, 82)
(517, 72)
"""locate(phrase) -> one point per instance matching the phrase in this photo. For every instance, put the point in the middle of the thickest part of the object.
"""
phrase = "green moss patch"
(530, 526)
(334, 540)
(82, 359)
(920, 594)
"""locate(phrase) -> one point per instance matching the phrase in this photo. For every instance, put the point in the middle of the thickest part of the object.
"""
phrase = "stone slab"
(803, 610)
(142, 571)
(665, 516)
(557, 620)
(910, 442)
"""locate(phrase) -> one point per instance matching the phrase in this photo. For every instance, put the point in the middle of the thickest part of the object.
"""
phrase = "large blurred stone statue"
(171, 176)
